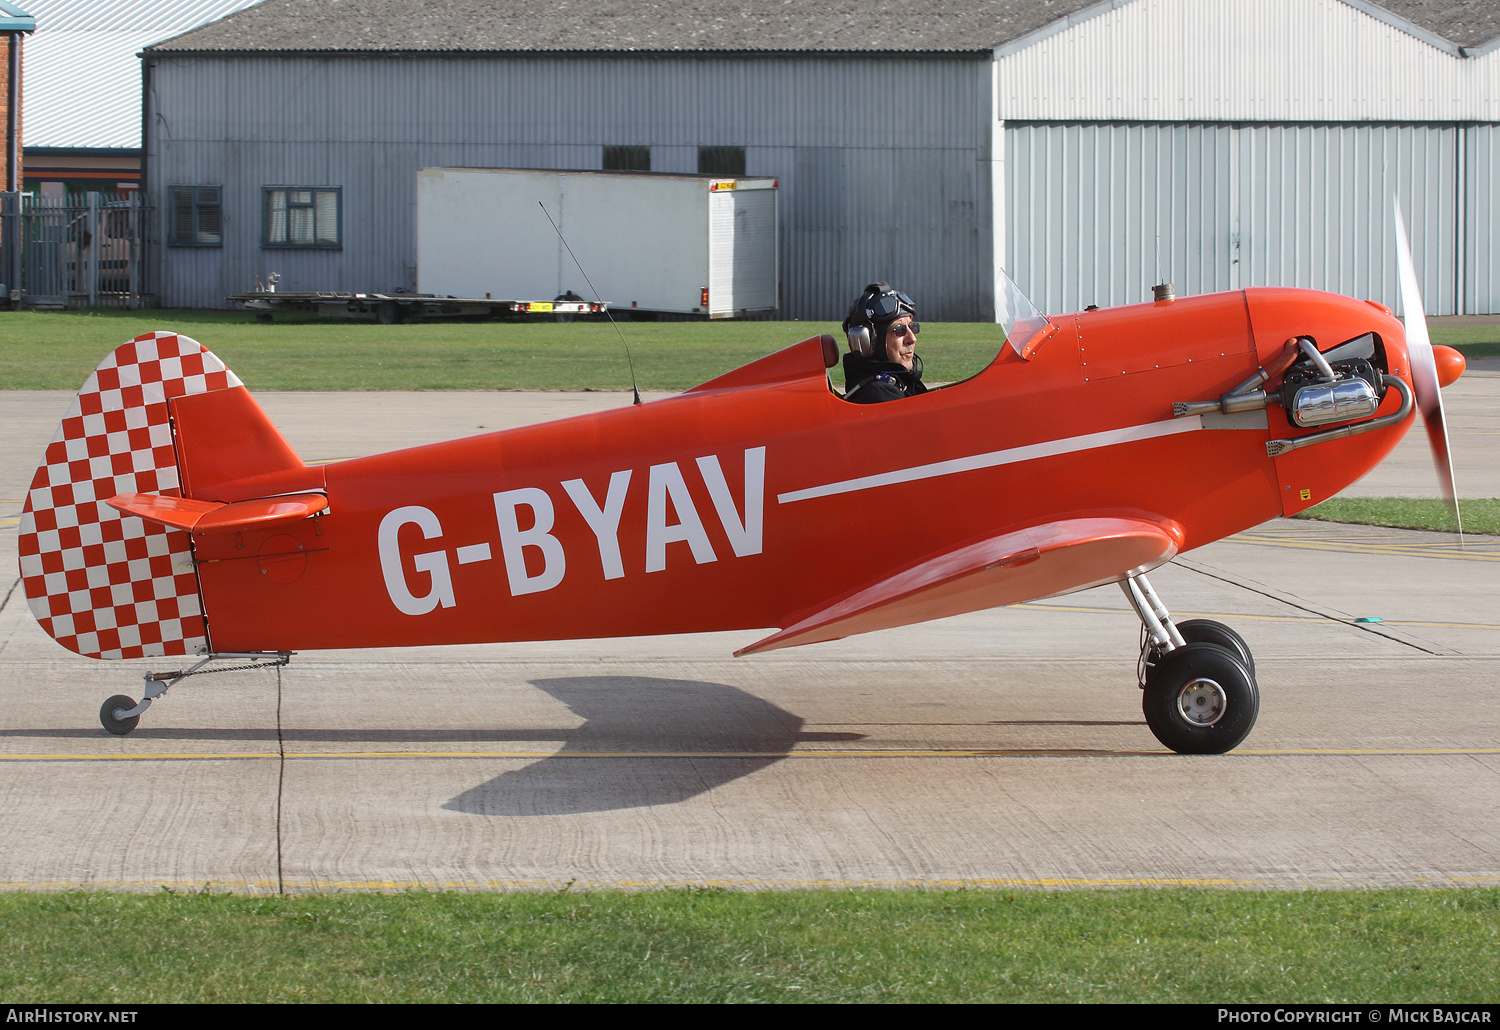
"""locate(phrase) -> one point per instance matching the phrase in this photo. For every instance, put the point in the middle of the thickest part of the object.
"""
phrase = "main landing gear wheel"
(110, 721)
(1207, 631)
(1200, 699)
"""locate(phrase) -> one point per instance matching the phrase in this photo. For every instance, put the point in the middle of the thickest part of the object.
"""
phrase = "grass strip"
(47, 350)
(1169, 945)
(1481, 515)
(1475, 341)
(58, 350)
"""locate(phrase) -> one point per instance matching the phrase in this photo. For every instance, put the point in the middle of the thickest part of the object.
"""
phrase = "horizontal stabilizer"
(1014, 566)
(205, 516)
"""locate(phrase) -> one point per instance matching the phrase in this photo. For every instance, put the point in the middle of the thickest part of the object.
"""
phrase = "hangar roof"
(1469, 23)
(82, 84)
(704, 25)
(13, 19)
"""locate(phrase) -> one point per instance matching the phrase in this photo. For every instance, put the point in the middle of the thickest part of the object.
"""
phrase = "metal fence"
(74, 250)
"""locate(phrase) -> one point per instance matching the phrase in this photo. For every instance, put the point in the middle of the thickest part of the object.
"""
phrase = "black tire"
(119, 727)
(1200, 700)
(263, 317)
(1207, 631)
(388, 312)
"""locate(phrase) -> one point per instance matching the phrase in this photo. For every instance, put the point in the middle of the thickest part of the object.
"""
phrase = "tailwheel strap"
(270, 660)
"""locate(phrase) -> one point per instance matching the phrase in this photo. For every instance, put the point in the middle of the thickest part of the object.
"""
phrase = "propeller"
(1424, 371)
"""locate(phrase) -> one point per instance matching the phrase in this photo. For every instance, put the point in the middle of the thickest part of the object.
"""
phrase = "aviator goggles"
(888, 305)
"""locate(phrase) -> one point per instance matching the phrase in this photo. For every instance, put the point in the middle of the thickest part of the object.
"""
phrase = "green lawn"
(58, 350)
(1164, 945)
(1480, 515)
(1478, 342)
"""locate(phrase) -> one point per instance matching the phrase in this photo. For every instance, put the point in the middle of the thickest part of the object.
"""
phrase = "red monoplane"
(171, 518)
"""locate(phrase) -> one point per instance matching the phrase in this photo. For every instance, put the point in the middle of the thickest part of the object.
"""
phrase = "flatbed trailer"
(390, 308)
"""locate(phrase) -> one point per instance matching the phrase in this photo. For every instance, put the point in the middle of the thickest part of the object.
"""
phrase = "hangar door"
(1098, 212)
(1481, 271)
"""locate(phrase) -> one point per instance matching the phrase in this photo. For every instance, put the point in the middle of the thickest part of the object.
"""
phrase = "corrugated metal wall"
(1244, 60)
(1097, 213)
(881, 161)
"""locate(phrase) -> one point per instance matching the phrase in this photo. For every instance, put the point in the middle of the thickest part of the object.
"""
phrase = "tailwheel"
(1200, 699)
(120, 714)
(112, 717)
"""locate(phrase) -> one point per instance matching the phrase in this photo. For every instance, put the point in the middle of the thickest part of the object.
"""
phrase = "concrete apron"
(1001, 748)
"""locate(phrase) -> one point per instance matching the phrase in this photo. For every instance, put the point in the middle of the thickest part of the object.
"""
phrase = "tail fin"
(102, 583)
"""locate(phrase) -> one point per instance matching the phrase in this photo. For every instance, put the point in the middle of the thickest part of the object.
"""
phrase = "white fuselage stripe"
(1050, 448)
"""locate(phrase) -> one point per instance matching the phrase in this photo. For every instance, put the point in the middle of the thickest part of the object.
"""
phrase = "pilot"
(882, 363)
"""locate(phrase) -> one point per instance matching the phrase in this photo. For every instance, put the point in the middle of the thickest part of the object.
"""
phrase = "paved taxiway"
(1002, 747)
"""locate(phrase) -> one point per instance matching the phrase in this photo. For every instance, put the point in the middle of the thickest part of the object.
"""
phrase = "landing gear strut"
(120, 714)
(1197, 679)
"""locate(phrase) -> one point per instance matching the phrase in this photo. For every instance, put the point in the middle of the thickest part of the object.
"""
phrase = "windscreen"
(1014, 311)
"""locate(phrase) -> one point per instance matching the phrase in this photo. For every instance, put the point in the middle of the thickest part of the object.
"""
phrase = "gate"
(75, 250)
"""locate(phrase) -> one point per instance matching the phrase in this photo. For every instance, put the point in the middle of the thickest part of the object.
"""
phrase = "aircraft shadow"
(642, 714)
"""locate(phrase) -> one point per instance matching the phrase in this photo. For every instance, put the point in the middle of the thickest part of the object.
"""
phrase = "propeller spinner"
(1425, 374)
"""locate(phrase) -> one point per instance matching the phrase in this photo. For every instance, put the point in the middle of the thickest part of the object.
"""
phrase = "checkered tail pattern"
(105, 584)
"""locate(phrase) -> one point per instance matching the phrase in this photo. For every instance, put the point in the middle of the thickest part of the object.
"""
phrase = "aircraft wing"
(1013, 566)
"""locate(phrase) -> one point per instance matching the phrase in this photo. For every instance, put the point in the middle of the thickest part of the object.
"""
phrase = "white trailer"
(684, 244)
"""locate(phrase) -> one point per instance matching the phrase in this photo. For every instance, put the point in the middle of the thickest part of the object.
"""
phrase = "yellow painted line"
(1060, 882)
(534, 755)
(1398, 550)
(850, 753)
(1081, 608)
(1369, 751)
(1318, 530)
(1440, 625)
(1179, 616)
(1353, 547)
(1371, 547)
(7, 523)
(141, 757)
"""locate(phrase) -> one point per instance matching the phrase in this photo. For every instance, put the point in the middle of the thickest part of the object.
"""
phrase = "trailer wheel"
(388, 312)
(263, 317)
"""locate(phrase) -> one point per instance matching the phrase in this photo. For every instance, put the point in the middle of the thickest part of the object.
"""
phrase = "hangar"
(1090, 148)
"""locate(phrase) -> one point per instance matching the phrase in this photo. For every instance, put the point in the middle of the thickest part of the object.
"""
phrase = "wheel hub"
(1202, 702)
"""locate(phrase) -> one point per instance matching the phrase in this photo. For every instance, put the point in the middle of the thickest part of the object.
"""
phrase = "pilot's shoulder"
(882, 386)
